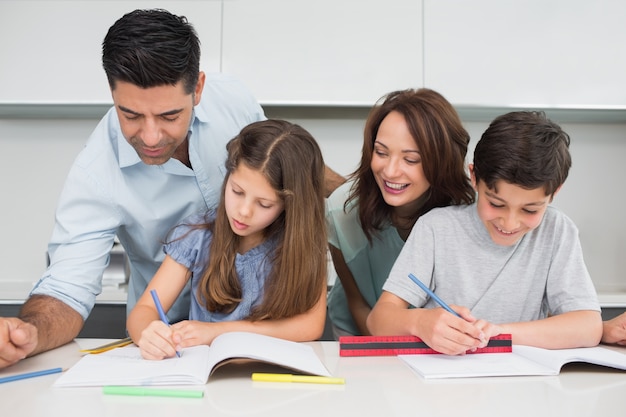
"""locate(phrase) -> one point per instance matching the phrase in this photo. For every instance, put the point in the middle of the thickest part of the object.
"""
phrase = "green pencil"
(153, 392)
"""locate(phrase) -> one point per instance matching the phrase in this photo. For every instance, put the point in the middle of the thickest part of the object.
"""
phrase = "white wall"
(47, 69)
(36, 155)
(592, 195)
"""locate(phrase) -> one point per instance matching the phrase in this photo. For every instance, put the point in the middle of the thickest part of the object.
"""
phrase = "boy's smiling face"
(509, 211)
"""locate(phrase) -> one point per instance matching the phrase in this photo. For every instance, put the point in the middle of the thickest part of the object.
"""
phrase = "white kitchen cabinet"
(323, 52)
(531, 53)
(51, 51)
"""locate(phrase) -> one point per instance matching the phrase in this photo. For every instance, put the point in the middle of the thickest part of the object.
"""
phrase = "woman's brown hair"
(442, 141)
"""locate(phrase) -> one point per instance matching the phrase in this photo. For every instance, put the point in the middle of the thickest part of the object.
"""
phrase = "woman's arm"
(359, 308)
(303, 327)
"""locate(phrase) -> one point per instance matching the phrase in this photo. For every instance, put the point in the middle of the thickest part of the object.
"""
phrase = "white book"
(125, 366)
(523, 361)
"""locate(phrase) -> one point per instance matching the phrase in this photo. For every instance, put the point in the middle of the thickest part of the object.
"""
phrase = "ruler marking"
(408, 345)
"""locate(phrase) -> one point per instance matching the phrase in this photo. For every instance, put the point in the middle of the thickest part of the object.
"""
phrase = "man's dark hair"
(150, 48)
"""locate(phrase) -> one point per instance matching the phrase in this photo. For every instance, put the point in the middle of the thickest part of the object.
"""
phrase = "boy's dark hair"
(150, 48)
(523, 148)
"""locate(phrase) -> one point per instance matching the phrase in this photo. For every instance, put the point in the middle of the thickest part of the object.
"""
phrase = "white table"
(375, 386)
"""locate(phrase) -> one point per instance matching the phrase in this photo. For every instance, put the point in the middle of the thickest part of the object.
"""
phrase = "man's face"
(155, 120)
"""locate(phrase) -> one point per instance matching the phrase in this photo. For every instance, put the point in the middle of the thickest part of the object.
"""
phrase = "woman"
(413, 159)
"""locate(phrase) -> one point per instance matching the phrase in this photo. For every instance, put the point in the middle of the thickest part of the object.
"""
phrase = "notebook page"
(281, 352)
(125, 366)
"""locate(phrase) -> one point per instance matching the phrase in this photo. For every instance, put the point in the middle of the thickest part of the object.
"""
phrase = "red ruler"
(407, 345)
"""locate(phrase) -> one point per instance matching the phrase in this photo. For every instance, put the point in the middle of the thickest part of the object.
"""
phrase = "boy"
(509, 263)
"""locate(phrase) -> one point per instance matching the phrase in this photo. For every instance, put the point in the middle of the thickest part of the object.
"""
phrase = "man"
(157, 156)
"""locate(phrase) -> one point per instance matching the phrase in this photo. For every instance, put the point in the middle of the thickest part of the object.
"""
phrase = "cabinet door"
(52, 50)
(535, 53)
(325, 52)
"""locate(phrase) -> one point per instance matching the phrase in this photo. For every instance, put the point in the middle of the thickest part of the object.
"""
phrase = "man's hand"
(18, 339)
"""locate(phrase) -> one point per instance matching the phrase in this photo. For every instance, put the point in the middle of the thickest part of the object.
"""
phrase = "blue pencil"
(432, 295)
(30, 375)
(159, 308)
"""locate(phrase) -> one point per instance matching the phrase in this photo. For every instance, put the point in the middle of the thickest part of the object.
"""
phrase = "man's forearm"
(56, 322)
(332, 180)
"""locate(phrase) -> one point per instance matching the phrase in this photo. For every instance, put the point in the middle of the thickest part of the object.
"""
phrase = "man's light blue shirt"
(110, 191)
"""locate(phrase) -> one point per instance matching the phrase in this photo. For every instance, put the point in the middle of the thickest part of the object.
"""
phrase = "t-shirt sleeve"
(569, 286)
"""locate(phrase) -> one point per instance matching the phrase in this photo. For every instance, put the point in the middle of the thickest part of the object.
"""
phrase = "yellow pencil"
(108, 346)
(297, 378)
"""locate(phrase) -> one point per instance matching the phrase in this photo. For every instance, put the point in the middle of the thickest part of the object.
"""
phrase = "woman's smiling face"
(397, 163)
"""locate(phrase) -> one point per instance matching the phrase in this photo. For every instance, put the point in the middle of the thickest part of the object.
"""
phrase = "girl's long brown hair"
(291, 160)
(442, 141)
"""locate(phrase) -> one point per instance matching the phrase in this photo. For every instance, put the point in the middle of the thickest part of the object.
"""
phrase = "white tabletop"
(375, 386)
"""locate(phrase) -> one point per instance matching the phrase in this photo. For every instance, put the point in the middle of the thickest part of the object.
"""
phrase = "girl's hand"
(156, 341)
(192, 333)
(449, 334)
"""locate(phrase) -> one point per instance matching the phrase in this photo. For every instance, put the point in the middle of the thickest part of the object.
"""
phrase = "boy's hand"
(449, 334)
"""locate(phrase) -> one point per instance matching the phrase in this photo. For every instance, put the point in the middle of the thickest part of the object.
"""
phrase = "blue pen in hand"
(432, 295)
(159, 308)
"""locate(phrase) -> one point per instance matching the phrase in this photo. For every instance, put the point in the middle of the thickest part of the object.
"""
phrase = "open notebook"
(523, 361)
(125, 366)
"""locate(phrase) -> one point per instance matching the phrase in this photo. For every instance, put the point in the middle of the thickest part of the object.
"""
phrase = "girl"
(413, 160)
(258, 264)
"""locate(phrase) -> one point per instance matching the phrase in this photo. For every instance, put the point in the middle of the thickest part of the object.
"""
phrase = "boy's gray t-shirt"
(450, 250)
